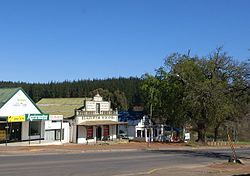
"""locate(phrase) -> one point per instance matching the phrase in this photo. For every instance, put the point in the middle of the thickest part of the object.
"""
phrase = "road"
(109, 163)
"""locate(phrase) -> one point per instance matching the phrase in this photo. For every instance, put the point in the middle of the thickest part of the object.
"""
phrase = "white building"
(95, 121)
(56, 129)
(139, 128)
(20, 118)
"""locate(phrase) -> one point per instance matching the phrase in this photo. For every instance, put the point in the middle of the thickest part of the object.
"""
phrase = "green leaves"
(203, 92)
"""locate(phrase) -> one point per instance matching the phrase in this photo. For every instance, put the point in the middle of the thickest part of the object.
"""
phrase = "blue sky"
(56, 40)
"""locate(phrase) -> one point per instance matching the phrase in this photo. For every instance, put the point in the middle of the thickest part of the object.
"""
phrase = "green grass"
(243, 143)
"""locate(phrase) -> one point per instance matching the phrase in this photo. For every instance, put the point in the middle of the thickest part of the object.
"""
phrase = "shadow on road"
(198, 153)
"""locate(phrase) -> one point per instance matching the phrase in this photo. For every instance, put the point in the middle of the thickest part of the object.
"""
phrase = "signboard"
(55, 117)
(36, 117)
(16, 118)
(187, 136)
(97, 118)
(90, 106)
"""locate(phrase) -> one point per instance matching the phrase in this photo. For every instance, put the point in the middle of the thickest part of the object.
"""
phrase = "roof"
(102, 122)
(61, 106)
(6, 94)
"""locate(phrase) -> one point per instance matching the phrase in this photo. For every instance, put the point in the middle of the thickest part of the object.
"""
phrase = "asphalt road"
(109, 163)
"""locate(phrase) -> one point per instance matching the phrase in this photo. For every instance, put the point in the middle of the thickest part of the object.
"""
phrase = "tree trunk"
(216, 132)
(201, 134)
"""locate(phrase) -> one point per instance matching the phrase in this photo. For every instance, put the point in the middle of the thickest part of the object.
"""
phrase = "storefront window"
(58, 134)
(35, 128)
(90, 132)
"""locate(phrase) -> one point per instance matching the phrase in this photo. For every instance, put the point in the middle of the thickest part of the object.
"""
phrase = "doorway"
(98, 133)
(15, 131)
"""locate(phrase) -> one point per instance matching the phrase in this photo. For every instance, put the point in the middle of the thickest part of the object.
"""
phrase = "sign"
(55, 117)
(36, 117)
(16, 118)
(96, 118)
(187, 136)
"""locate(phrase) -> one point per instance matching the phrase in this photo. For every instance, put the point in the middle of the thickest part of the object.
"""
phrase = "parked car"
(163, 138)
(123, 136)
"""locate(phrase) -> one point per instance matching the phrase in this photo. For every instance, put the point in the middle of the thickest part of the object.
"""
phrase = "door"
(98, 133)
(15, 131)
(50, 135)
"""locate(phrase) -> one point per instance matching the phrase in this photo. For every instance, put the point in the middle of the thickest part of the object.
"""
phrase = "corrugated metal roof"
(61, 106)
(6, 94)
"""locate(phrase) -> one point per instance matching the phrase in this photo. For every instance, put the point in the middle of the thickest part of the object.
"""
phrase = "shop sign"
(96, 118)
(16, 118)
(55, 117)
(36, 117)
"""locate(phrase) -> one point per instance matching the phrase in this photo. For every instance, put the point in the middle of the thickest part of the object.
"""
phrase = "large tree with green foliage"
(203, 92)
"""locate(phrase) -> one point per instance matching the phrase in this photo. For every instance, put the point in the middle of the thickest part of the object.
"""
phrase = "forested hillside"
(115, 89)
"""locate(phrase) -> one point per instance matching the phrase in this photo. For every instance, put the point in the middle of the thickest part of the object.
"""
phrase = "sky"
(57, 40)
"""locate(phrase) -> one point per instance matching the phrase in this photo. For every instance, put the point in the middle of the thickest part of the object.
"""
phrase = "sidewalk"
(57, 147)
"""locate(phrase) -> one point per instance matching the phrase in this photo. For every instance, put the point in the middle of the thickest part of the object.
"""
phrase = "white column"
(94, 133)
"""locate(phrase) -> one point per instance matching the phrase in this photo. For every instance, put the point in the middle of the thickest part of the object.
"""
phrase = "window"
(90, 132)
(35, 128)
(98, 108)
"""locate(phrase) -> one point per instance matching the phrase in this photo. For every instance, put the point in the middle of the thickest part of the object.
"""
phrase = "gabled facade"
(96, 121)
(20, 118)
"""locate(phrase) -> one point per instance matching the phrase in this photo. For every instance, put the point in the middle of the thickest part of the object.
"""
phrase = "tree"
(204, 92)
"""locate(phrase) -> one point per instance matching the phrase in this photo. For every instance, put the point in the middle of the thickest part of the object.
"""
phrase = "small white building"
(95, 121)
(140, 127)
(56, 129)
(20, 118)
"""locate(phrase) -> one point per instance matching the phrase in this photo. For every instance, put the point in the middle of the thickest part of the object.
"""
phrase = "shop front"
(20, 118)
(95, 121)
(22, 128)
(94, 131)
(56, 129)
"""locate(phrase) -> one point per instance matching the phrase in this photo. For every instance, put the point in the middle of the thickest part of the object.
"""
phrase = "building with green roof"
(61, 106)
(17, 110)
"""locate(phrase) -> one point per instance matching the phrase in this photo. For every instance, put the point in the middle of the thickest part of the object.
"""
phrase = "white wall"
(19, 104)
(49, 125)
(82, 135)
(66, 132)
(112, 132)
(25, 130)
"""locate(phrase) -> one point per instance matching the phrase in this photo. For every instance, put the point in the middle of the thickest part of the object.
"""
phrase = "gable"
(19, 104)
